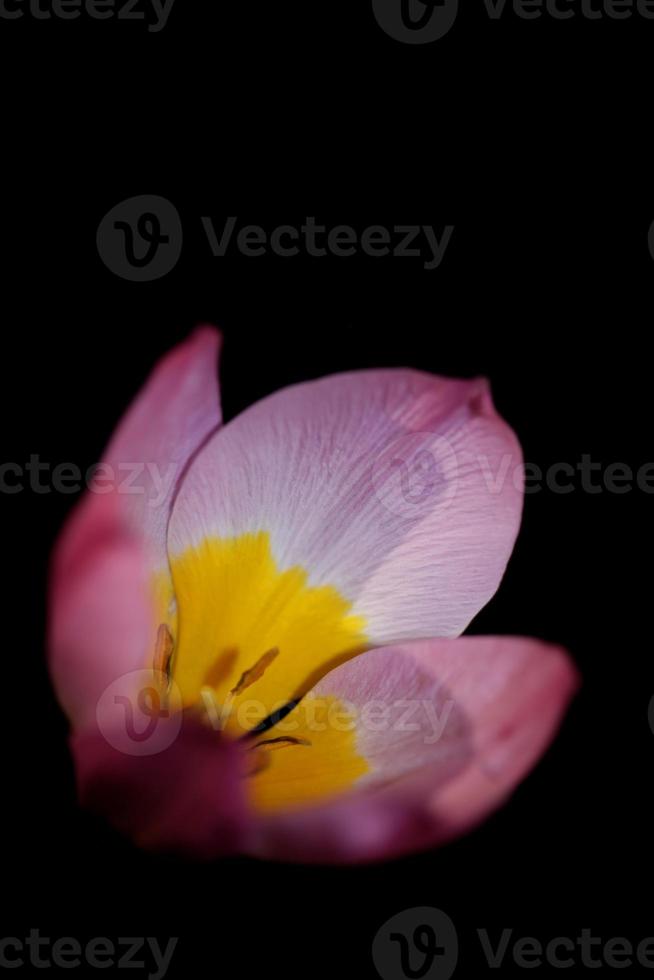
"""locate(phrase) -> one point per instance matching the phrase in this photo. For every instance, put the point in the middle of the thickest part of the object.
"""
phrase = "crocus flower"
(253, 627)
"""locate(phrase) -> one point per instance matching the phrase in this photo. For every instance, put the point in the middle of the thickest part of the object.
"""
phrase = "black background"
(531, 138)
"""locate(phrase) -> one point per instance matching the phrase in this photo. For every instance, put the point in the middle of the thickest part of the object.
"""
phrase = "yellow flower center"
(246, 642)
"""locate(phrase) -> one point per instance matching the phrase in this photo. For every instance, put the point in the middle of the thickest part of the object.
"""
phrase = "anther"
(281, 742)
(163, 651)
(272, 719)
(248, 677)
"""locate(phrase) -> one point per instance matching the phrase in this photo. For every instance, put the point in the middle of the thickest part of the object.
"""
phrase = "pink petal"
(320, 466)
(171, 417)
(101, 611)
(185, 799)
(507, 696)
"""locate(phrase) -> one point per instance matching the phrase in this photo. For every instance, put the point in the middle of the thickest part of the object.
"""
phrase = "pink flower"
(253, 628)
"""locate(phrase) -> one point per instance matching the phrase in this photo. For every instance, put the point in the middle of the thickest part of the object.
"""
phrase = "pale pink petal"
(466, 720)
(101, 622)
(400, 489)
(171, 417)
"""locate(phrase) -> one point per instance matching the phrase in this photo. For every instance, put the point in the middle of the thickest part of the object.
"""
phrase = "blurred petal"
(185, 799)
(101, 607)
(466, 719)
(110, 585)
(361, 509)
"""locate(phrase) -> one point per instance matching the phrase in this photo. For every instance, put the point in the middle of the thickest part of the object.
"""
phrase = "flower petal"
(396, 493)
(171, 417)
(185, 799)
(103, 620)
(101, 610)
(465, 720)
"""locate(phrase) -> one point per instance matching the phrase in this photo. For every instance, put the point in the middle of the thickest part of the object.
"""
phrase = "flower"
(253, 627)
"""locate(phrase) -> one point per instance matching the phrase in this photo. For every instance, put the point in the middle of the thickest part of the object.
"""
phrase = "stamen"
(258, 763)
(163, 651)
(248, 677)
(261, 752)
(272, 719)
(281, 742)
